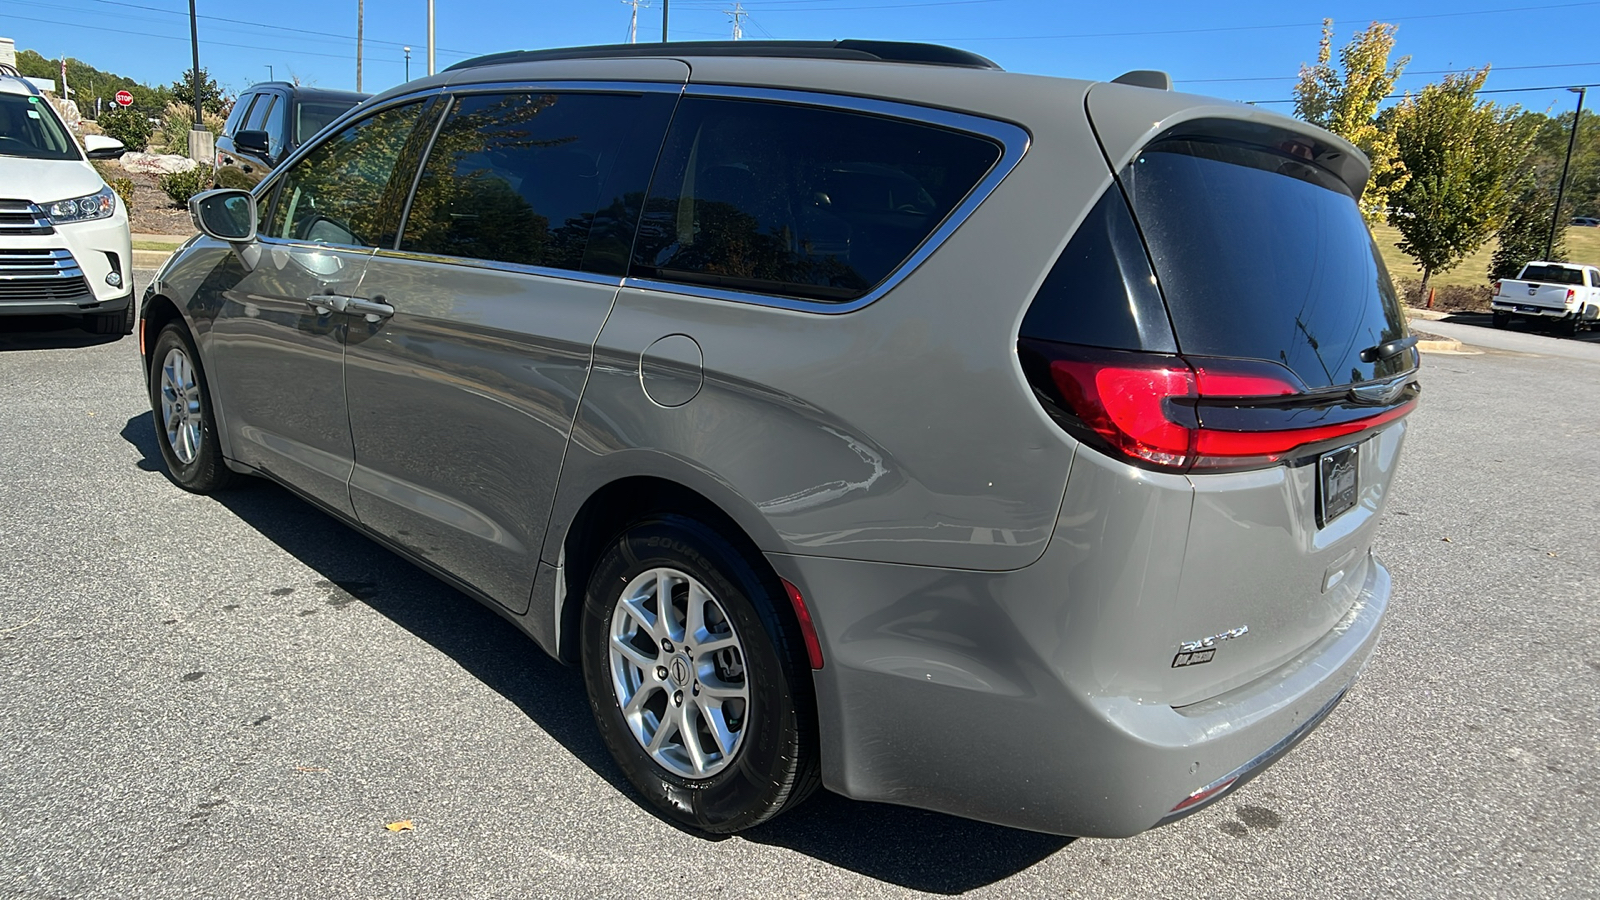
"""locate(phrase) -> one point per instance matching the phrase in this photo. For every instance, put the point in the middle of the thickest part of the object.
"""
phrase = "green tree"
(1463, 157)
(1522, 238)
(212, 99)
(1346, 103)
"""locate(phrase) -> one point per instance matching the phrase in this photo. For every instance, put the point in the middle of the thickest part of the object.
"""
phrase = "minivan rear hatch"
(1280, 382)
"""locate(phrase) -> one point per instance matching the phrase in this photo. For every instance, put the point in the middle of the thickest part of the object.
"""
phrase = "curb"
(150, 259)
(1450, 345)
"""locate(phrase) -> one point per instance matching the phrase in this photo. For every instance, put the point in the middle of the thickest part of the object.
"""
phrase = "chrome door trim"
(497, 266)
(1014, 141)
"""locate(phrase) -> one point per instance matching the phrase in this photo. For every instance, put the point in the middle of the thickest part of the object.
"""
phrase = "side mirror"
(99, 146)
(227, 214)
(252, 142)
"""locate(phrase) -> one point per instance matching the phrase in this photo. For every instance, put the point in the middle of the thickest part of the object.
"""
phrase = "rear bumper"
(931, 696)
(1523, 309)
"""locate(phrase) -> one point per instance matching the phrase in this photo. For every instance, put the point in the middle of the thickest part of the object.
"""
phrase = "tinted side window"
(259, 110)
(523, 178)
(1101, 292)
(800, 201)
(241, 111)
(274, 124)
(335, 194)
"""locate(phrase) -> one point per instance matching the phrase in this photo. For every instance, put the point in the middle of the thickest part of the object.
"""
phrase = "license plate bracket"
(1338, 483)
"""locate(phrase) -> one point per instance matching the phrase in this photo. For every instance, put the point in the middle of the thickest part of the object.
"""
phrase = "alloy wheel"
(677, 670)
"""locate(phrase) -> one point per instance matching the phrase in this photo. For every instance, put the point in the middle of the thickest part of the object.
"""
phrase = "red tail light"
(1497, 287)
(1168, 411)
(1571, 292)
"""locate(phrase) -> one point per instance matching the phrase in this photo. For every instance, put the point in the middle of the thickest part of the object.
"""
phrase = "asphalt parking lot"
(232, 696)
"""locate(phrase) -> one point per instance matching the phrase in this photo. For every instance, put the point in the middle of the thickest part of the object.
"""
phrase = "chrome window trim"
(498, 266)
(1014, 141)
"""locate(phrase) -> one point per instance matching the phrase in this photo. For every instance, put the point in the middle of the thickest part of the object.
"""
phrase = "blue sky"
(1248, 50)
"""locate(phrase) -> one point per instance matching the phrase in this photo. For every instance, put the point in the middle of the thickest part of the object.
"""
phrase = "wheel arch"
(576, 541)
(158, 311)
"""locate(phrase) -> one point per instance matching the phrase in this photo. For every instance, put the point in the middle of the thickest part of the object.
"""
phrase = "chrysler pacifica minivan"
(852, 413)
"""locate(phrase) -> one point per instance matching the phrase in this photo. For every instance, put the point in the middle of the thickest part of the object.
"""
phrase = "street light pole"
(664, 5)
(408, 63)
(361, 21)
(430, 37)
(1561, 189)
(194, 45)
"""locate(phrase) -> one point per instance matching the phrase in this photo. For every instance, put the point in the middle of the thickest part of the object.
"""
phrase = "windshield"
(1263, 256)
(311, 118)
(30, 129)
(1552, 275)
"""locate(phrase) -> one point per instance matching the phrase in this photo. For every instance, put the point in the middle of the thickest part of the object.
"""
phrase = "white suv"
(65, 247)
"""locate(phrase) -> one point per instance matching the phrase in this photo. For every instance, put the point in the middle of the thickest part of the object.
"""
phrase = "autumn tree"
(1463, 156)
(1346, 103)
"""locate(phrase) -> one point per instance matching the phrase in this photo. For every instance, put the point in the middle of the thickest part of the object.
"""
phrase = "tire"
(754, 682)
(1567, 327)
(180, 402)
(120, 322)
(1502, 320)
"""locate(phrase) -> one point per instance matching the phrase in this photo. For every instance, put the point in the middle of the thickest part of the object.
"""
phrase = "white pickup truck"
(1566, 293)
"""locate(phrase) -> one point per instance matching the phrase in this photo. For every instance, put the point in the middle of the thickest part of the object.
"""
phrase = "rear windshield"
(1263, 256)
(1552, 275)
(29, 129)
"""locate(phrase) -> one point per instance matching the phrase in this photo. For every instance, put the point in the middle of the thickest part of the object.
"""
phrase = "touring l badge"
(1194, 653)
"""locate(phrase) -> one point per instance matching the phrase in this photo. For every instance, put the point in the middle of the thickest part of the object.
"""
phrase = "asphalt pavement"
(234, 696)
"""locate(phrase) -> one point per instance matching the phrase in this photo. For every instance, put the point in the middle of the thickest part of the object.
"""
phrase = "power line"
(1403, 75)
(171, 37)
(303, 31)
(1219, 29)
(1523, 90)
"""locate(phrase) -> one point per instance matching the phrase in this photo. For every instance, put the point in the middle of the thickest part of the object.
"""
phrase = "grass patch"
(156, 245)
(1583, 246)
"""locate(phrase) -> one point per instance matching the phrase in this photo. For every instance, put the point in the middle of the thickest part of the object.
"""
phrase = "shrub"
(124, 189)
(130, 127)
(173, 135)
(180, 186)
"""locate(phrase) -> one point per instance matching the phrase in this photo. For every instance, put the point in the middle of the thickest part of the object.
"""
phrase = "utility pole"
(194, 73)
(738, 15)
(430, 37)
(665, 4)
(1561, 189)
(633, 19)
(269, 72)
(408, 63)
(361, 19)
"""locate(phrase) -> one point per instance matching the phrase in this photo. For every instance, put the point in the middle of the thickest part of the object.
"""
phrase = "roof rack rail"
(6, 69)
(877, 51)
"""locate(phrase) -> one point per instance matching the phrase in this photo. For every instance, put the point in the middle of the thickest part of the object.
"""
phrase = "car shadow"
(1484, 320)
(921, 850)
(48, 333)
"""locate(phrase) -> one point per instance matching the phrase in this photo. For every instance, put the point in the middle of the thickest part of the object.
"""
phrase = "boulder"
(156, 163)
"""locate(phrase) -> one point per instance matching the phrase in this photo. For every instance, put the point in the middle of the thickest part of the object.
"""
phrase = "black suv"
(268, 122)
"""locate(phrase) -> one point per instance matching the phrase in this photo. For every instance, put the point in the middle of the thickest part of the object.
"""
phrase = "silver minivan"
(852, 413)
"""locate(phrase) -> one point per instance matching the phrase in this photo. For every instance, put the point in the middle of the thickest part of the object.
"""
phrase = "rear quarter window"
(799, 201)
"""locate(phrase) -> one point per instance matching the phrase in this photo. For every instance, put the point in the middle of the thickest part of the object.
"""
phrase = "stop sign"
(124, 98)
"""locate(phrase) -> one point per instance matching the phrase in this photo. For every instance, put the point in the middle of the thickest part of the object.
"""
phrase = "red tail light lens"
(1571, 292)
(1155, 408)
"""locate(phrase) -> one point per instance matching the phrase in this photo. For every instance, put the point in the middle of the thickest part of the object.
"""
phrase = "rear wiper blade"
(1388, 349)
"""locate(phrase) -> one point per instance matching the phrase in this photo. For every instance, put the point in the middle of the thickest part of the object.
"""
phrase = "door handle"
(374, 309)
(325, 303)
